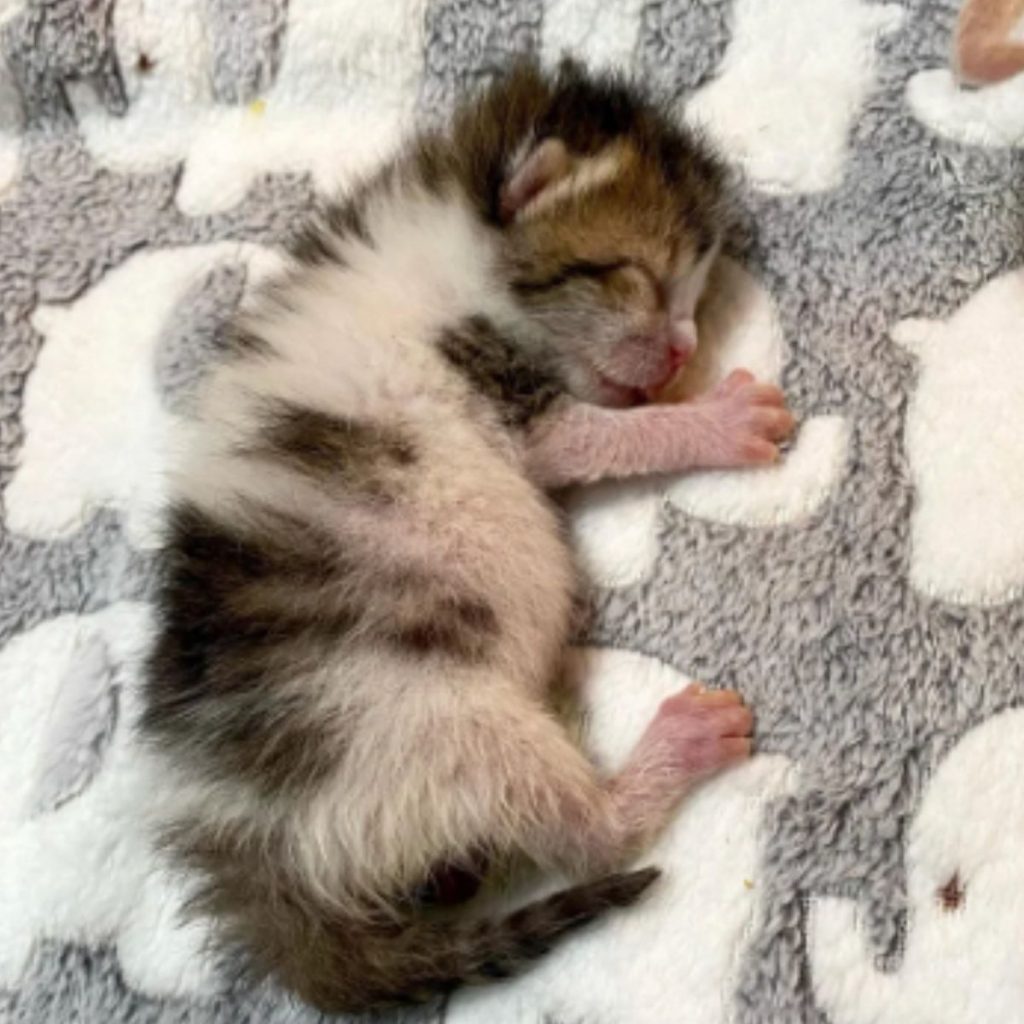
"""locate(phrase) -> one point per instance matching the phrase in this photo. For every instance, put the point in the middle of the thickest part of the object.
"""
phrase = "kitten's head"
(612, 216)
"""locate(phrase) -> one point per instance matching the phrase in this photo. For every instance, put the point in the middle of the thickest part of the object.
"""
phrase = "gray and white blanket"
(867, 866)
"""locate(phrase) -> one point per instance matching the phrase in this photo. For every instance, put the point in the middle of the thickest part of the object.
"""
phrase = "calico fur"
(366, 590)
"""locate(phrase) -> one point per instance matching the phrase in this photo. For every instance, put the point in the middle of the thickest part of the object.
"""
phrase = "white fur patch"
(86, 871)
(342, 97)
(960, 965)
(601, 33)
(96, 433)
(794, 77)
(992, 116)
(675, 956)
(615, 524)
(966, 447)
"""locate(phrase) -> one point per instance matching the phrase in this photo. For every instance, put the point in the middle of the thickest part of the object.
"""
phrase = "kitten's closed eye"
(627, 277)
(636, 285)
(572, 270)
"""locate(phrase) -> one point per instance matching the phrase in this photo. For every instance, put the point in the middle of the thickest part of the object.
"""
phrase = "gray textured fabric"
(73, 983)
(54, 42)
(858, 678)
(12, 118)
(193, 334)
(681, 43)
(246, 46)
(80, 728)
(466, 40)
(42, 579)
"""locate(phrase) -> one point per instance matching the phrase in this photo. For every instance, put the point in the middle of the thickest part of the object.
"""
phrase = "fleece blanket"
(867, 865)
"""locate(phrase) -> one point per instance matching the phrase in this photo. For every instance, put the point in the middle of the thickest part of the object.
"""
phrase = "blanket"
(865, 594)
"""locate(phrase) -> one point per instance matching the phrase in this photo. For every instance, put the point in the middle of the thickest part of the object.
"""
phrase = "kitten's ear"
(545, 164)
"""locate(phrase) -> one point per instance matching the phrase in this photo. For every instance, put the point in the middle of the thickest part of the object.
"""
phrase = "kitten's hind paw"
(703, 730)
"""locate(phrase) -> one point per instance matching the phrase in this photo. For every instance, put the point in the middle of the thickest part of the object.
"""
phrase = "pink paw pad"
(702, 730)
(748, 419)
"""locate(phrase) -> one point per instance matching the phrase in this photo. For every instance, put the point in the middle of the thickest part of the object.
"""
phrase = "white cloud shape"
(344, 92)
(85, 872)
(960, 965)
(992, 116)
(771, 497)
(614, 529)
(792, 80)
(674, 957)
(96, 433)
(966, 448)
(601, 33)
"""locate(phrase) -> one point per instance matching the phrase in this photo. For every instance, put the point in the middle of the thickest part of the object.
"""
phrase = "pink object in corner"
(989, 43)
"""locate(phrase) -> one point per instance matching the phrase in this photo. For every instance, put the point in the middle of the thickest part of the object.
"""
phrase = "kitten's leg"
(497, 774)
(737, 424)
(589, 826)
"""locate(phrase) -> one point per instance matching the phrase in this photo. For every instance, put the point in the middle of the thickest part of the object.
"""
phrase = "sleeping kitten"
(367, 593)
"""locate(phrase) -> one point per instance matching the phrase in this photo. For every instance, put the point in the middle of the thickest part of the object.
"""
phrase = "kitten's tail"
(425, 958)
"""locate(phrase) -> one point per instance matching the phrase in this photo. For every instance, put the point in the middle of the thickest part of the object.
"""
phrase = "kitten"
(367, 593)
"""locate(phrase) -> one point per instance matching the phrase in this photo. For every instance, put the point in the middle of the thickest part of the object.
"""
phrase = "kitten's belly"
(488, 526)
(522, 562)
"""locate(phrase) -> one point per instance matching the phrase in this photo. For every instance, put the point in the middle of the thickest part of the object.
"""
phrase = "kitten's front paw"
(746, 420)
(703, 730)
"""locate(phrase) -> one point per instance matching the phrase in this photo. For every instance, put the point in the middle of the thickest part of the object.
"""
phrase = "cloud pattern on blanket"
(342, 97)
(811, 65)
(992, 116)
(96, 381)
(84, 869)
(961, 963)
(864, 593)
(968, 524)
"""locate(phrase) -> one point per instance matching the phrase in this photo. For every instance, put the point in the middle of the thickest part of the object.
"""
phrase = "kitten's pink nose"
(677, 357)
(682, 337)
